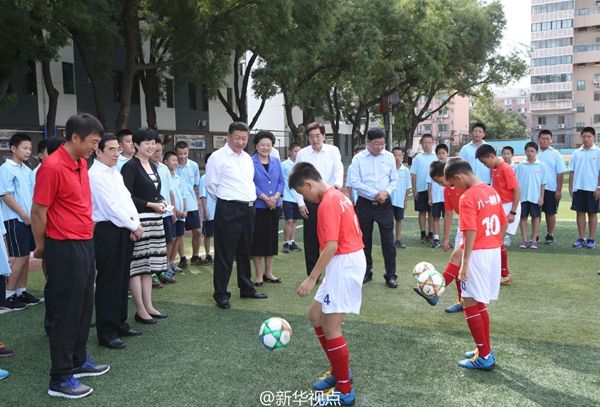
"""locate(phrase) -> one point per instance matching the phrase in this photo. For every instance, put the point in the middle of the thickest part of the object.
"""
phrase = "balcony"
(592, 18)
(552, 105)
(586, 53)
(551, 87)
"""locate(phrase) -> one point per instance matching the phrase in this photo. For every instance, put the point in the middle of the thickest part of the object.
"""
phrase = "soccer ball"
(275, 333)
(431, 283)
(422, 267)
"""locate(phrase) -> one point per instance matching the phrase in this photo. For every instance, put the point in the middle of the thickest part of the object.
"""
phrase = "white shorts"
(512, 227)
(341, 289)
(483, 280)
(458, 238)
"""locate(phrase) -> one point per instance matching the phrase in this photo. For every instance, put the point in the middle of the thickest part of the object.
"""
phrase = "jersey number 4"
(326, 300)
(492, 225)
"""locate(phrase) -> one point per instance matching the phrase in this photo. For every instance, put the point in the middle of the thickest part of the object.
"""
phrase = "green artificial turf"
(545, 332)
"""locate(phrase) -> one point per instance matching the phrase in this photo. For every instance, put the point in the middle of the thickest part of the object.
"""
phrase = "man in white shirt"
(328, 161)
(117, 226)
(230, 180)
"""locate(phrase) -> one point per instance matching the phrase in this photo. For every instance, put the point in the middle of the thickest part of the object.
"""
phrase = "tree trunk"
(334, 115)
(150, 83)
(52, 99)
(89, 63)
(130, 27)
(295, 132)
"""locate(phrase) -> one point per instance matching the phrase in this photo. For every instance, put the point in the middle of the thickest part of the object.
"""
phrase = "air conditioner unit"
(561, 126)
(539, 127)
(596, 84)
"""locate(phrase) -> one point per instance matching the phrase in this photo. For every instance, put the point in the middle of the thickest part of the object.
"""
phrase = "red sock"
(459, 290)
(337, 351)
(451, 274)
(504, 262)
(485, 317)
(321, 337)
(476, 326)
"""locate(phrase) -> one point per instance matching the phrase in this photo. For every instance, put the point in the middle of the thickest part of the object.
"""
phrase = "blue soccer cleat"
(479, 362)
(458, 307)
(430, 301)
(336, 398)
(470, 354)
(4, 374)
(326, 382)
(580, 243)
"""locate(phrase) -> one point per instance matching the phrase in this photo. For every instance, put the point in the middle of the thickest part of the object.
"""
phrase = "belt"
(374, 203)
(240, 203)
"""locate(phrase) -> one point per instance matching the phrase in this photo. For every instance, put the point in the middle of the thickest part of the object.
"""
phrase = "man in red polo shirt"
(61, 219)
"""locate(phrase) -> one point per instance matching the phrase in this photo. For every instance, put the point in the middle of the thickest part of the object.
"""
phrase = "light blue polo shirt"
(531, 176)
(15, 179)
(177, 190)
(420, 167)
(121, 161)
(467, 153)
(437, 191)
(554, 164)
(585, 165)
(190, 177)
(403, 185)
(165, 185)
(371, 174)
(211, 204)
(288, 194)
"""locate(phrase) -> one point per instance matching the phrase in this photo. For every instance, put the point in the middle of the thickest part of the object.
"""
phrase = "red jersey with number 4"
(451, 197)
(481, 210)
(337, 222)
(504, 182)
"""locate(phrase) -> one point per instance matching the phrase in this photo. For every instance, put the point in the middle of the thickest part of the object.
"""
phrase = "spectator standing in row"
(208, 215)
(125, 139)
(400, 194)
(468, 153)
(419, 172)
(290, 203)
(179, 202)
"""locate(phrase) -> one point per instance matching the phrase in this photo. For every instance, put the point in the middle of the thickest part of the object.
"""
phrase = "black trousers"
(113, 257)
(383, 214)
(68, 294)
(234, 229)
(310, 238)
(2, 290)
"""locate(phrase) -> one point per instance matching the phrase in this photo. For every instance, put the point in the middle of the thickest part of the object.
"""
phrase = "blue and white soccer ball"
(275, 333)
(431, 283)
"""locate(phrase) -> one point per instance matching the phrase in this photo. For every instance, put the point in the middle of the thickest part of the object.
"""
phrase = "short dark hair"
(375, 133)
(509, 148)
(264, 134)
(484, 151)
(17, 138)
(480, 125)
(301, 173)
(454, 167)
(315, 125)
(122, 133)
(358, 147)
(436, 169)
(397, 149)
(158, 140)
(294, 145)
(42, 145)
(143, 134)
(544, 131)
(206, 157)
(238, 126)
(169, 154)
(441, 146)
(426, 135)
(181, 145)
(54, 143)
(104, 139)
(532, 144)
(83, 124)
(588, 130)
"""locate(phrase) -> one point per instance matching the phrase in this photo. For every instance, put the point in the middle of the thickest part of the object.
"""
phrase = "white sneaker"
(506, 240)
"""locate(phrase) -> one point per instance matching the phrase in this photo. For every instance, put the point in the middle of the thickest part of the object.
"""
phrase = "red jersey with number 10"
(481, 210)
(337, 222)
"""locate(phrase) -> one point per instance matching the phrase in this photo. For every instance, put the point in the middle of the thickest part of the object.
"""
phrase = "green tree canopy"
(500, 123)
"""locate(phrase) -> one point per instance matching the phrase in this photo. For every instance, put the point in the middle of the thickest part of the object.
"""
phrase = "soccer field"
(545, 332)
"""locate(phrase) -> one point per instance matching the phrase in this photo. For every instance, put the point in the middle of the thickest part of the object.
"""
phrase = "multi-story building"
(516, 100)
(565, 76)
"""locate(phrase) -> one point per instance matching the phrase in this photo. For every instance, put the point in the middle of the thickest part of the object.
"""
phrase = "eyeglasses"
(377, 143)
(115, 150)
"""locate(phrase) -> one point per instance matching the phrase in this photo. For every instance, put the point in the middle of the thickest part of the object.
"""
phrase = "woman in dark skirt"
(268, 178)
(149, 252)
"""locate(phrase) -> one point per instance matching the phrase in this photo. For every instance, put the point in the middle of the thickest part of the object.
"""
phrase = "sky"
(518, 28)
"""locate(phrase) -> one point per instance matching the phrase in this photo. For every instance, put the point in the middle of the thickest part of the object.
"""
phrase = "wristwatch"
(513, 212)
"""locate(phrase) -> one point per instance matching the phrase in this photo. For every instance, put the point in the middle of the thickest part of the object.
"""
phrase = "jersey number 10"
(492, 225)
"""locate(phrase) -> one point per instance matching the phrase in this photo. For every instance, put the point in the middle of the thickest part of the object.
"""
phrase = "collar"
(14, 163)
(103, 167)
(68, 160)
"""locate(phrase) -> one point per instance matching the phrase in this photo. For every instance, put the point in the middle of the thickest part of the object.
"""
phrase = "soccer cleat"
(506, 241)
(533, 245)
(590, 244)
(472, 354)
(294, 247)
(70, 389)
(430, 301)
(183, 263)
(479, 363)
(549, 239)
(506, 280)
(336, 398)
(579, 243)
(326, 382)
(286, 247)
(436, 243)
(5, 352)
(458, 307)
(90, 368)
(14, 303)
(524, 244)
(4, 374)
(27, 298)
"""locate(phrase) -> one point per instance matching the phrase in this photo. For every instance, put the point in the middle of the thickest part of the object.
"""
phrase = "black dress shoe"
(255, 295)
(116, 343)
(141, 320)
(130, 332)
(223, 304)
(158, 316)
(392, 283)
(368, 277)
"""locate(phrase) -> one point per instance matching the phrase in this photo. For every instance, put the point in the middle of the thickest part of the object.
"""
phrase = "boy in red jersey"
(451, 197)
(343, 259)
(504, 181)
(483, 223)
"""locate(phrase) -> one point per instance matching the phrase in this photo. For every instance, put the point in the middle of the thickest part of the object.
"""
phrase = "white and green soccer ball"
(275, 333)
(421, 268)
(431, 283)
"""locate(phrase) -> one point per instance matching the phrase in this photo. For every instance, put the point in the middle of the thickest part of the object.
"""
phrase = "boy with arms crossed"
(343, 259)
(400, 194)
(418, 177)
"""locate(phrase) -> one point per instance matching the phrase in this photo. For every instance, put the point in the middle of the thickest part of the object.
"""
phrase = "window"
(68, 78)
(204, 99)
(597, 118)
(580, 107)
(551, 25)
(552, 43)
(443, 113)
(586, 48)
(564, 77)
(192, 96)
(580, 85)
(442, 128)
(542, 97)
(507, 102)
(582, 29)
(230, 97)
(596, 96)
(169, 92)
(558, 60)
(561, 138)
(579, 126)
(425, 128)
(541, 120)
(552, 7)
(561, 119)
(522, 101)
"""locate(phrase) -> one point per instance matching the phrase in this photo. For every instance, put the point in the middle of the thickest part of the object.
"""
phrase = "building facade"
(515, 100)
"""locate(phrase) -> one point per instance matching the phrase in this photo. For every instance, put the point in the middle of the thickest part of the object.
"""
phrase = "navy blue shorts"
(583, 201)
(550, 206)
(179, 228)
(422, 202)
(291, 211)
(209, 228)
(192, 221)
(530, 209)
(437, 210)
(169, 228)
(398, 212)
(19, 238)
